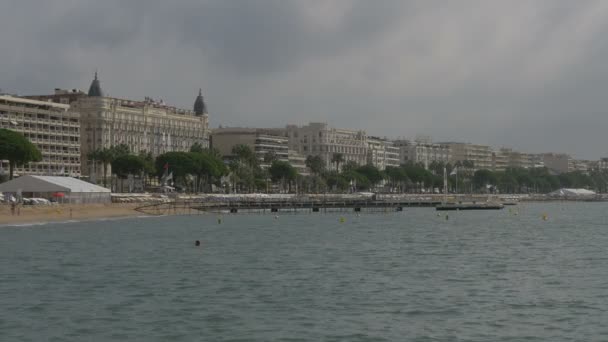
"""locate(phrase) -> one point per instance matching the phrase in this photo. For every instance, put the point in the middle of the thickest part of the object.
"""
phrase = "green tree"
(207, 168)
(245, 155)
(350, 165)
(120, 150)
(106, 156)
(128, 164)
(482, 178)
(149, 168)
(373, 175)
(197, 147)
(93, 157)
(315, 164)
(337, 158)
(282, 171)
(397, 177)
(270, 157)
(181, 164)
(17, 149)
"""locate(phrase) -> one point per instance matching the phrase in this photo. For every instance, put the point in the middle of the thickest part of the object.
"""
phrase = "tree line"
(198, 169)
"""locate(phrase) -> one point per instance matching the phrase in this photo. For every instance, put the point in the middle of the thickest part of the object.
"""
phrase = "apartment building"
(148, 125)
(422, 151)
(382, 153)
(556, 162)
(517, 159)
(298, 161)
(319, 139)
(580, 165)
(480, 155)
(54, 128)
(261, 140)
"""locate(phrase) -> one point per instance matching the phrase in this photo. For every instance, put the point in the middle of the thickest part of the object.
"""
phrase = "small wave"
(99, 219)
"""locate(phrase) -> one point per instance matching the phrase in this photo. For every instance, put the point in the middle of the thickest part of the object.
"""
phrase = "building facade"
(422, 152)
(382, 153)
(517, 159)
(148, 125)
(556, 162)
(500, 161)
(318, 139)
(480, 155)
(261, 140)
(54, 129)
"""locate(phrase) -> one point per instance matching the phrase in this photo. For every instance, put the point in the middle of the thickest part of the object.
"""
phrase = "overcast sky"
(532, 75)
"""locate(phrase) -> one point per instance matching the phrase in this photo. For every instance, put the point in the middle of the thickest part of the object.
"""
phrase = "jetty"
(185, 207)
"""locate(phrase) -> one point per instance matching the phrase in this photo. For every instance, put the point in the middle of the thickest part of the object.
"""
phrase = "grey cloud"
(526, 74)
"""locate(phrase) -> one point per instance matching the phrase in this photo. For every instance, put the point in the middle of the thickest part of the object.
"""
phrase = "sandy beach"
(55, 213)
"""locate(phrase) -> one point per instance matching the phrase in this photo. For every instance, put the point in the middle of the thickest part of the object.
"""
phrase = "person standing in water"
(197, 243)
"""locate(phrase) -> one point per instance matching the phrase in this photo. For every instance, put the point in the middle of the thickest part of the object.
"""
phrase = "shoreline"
(32, 214)
(66, 212)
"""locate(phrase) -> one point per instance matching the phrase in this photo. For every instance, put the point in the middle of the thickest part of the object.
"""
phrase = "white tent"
(66, 189)
(564, 192)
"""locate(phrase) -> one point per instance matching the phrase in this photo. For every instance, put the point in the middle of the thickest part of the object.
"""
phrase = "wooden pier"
(275, 206)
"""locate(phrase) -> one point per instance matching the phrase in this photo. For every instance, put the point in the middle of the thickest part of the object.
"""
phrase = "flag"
(169, 177)
(454, 171)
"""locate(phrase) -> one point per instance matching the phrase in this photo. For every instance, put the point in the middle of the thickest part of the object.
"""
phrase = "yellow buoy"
(342, 220)
(545, 217)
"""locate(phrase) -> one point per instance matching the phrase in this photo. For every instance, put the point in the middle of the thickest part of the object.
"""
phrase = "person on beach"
(13, 205)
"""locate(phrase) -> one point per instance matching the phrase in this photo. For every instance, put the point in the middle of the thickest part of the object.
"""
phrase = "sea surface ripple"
(413, 276)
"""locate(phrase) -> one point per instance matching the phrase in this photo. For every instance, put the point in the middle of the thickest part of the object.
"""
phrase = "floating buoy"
(545, 217)
(342, 220)
(197, 243)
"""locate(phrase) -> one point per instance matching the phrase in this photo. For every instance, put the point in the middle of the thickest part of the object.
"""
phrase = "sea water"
(506, 275)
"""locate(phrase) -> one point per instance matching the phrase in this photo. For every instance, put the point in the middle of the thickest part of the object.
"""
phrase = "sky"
(527, 74)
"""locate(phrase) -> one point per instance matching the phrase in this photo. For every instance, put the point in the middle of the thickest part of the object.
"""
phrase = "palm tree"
(106, 156)
(94, 156)
(337, 158)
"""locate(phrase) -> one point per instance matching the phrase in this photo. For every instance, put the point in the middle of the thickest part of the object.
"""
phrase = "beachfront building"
(262, 141)
(580, 165)
(500, 161)
(382, 153)
(298, 161)
(517, 159)
(148, 125)
(556, 162)
(480, 155)
(318, 139)
(602, 164)
(54, 128)
(422, 151)
(536, 160)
